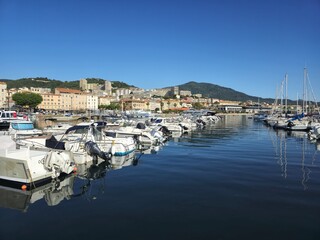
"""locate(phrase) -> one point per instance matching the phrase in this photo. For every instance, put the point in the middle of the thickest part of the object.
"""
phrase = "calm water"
(236, 180)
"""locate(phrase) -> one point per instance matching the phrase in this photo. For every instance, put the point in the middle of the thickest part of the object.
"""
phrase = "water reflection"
(86, 176)
(150, 149)
(89, 174)
(294, 149)
(53, 193)
(92, 177)
(56, 191)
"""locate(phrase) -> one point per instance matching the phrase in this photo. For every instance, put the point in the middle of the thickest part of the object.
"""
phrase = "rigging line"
(311, 89)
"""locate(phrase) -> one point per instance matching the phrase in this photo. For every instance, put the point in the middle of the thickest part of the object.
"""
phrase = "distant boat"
(8, 116)
(23, 128)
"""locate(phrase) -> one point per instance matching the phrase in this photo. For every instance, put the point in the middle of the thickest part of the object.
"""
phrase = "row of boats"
(30, 157)
(299, 122)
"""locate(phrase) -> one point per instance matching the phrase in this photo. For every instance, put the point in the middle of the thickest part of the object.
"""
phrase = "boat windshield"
(22, 126)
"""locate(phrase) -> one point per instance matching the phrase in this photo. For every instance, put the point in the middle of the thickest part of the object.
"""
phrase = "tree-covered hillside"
(52, 83)
(223, 93)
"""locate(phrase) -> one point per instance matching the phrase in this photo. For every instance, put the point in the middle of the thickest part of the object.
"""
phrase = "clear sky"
(247, 45)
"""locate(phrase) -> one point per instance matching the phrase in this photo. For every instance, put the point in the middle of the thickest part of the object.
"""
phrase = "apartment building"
(91, 102)
(134, 104)
(50, 102)
(72, 99)
(105, 100)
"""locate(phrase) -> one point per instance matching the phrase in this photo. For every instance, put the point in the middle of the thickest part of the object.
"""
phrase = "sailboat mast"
(286, 82)
(297, 103)
(304, 92)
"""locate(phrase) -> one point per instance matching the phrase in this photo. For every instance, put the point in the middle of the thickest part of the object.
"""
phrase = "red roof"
(68, 90)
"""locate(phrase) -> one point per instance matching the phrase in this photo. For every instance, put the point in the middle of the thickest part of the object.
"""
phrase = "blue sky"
(246, 45)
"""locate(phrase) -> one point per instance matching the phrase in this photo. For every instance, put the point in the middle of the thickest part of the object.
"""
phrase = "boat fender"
(113, 148)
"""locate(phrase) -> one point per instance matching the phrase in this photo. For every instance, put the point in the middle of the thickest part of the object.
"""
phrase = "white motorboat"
(28, 167)
(171, 125)
(87, 142)
(7, 116)
(80, 134)
(298, 125)
(143, 134)
(22, 129)
(73, 140)
(314, 133)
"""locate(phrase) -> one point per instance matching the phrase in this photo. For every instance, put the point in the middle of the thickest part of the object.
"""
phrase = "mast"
(297, 103)
(304, 97)
(286, 82)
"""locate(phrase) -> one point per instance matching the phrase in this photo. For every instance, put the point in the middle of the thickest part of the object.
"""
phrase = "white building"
(40, 90)
(230, 108)
(92, 102)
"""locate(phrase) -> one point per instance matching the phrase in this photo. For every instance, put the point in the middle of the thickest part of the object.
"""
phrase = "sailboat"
(303, 122)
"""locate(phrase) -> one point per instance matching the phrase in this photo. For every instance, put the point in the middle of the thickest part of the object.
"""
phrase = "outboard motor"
(93, 150)
(165, 130)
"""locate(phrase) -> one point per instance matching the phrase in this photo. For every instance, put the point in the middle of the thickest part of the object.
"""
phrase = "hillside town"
(93, 97)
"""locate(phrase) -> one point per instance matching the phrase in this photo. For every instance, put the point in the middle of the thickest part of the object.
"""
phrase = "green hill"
(52, 83)
(215, 91)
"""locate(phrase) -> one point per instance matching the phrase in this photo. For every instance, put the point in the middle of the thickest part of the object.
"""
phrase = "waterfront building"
(92, 102)
(71, 99)
(230, 108)
(228, 102)
(50, 102)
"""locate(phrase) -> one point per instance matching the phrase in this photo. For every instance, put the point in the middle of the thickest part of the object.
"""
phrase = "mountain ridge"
(219, 92)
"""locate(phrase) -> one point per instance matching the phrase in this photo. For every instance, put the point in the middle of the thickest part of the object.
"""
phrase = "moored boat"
(28, 167)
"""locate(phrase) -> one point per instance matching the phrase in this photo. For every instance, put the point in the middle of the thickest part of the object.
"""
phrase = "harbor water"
(235, 180)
